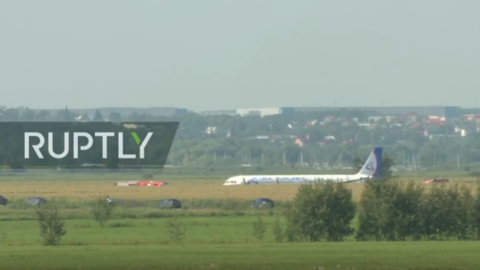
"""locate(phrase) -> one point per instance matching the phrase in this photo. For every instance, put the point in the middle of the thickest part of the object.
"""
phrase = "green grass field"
(407, 255)
(224, 242)
(218, 232)
(221, 241)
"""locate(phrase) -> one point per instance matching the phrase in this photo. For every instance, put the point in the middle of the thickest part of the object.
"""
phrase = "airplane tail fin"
(373, 165)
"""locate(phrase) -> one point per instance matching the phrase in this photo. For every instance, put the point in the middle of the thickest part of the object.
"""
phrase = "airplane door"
(243, 180)
(276, 179)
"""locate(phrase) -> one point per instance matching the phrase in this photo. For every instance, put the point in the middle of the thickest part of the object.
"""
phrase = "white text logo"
(77, 147)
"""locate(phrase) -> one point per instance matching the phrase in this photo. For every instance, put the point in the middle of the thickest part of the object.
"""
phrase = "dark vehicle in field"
(36, 200)
(3, 200)
(170, 204)
(263, 203)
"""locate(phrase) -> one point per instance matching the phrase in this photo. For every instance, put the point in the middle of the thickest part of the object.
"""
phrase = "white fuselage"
(369, 169)
(293, 179)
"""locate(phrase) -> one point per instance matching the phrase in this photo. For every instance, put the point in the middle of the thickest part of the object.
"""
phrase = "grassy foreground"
(213, 243)
(350, 255)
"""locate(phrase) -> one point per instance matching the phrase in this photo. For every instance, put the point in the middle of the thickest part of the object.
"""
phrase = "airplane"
(370, 170)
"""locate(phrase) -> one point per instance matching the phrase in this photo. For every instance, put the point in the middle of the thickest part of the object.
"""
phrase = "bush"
(102, 211)
(407, 214)
(379, 218)
(376, 211)
(476, 214)
(51, 225)
(259, 228)
(322, 211)
(392, 211)
(176, 229)
(447, 213)
(292, 231)
(278, 230)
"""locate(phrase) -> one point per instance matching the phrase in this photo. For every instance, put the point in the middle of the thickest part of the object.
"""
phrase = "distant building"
(264, 111)
(449, 112)
(180, 111)
(287, 110)
(223, 112)
(436, 121)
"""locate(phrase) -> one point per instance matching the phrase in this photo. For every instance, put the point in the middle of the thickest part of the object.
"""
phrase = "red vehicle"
(436, 180)
(152, 183)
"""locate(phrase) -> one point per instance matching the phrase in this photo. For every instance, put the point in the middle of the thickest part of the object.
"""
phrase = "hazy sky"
(226, 54)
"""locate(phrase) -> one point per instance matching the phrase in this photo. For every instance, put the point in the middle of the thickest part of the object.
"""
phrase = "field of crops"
(218, 222)
(88, 188)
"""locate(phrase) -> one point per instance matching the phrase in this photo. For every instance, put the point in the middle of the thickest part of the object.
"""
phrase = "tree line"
(221, 140)
(388, 210)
